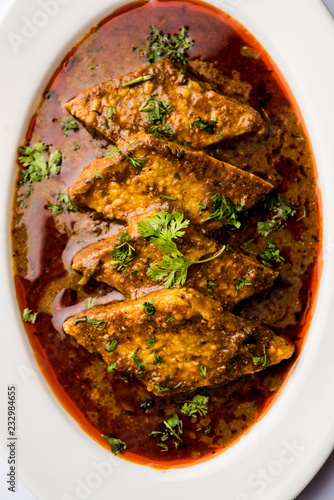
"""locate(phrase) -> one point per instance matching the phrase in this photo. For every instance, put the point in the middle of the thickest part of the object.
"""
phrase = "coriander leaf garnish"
(162, 228)
(90, 302)
(139, 364)
(139, 79)
(68, 125)
(147, 405)
(202, 207)
(163, 447)
(96, 323)
(151, 342)
(208, 126)
(173, 428)
(149, 307)
(158, 388)
(96, 176)
(116, 445)
(198, 404)
(111, 112)
(29, 316)
(157, 359)
(271, 254)
(170, 319)
(81, 319)
(261, 359)
(173, 269)
(157, 111)
(207, 430)
(280, 211)
(112, 345)
(123, 253)
(210, 285)
(137, 163)
(243, 282)
(159, 44)
(37, 168)
(112, 368)
(226, 211)
(202, 370)
(64, 206)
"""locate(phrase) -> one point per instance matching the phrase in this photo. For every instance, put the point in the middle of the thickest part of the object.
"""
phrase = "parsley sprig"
(116, 445)
(123, 253)
(173, 429)
(159, 44)
(68, 125)
(137, 163)
(226, 211)
(161, 229)
(198, 404)
(36, 167)
(29, 316)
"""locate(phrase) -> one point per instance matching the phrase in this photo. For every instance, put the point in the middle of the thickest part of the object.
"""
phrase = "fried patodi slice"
(177, 340)
(229, 278)
(119, 108)
(165, 172)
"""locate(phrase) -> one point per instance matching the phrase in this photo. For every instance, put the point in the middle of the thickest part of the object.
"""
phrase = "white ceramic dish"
(280, 455)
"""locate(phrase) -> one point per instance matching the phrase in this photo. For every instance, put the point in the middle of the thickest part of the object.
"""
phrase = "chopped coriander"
(157, 359)
(163, 446)
(303, 216)
(279, 209)
(68, 125)
(170, 319)
(97, 323)
(157, 111)
(90, 303)
(37, 168)
(158, 388)
(111, 111)
(226, 211)
(261, 359)
(116, 445)
(139, 364)
(28, 316)
(210, 285)
(137, 163)
(149, 307)
(77, 146)
(168, 197)
(112, 345)
(139, 79)
(176, 47)
(92, 66)
(64, 206)
(243, 282)
(271, 254)
(207, 430)
(198, 404)
(202, 370)
(248, 243)
(81, 319)
(97, 175)
(82, 243)
(208, 126)
(105, 124)
(123, 253)
(112, 368)
(151, 342)
(202, 207)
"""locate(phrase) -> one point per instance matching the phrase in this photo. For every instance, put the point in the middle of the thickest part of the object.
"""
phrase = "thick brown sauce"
(44, 244)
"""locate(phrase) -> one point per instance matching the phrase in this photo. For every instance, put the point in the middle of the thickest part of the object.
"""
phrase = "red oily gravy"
(43, 245)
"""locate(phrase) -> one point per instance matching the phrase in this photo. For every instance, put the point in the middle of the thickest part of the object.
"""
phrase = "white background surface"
(321, 488)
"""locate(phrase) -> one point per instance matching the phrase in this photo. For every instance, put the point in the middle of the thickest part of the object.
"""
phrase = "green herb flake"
(64, 206)
(139, 364)
(111, 112)
(81, 319)
(198, 404)
(157, 111)
(279, 209)
(170, 319)
(112, 368)
(139, 79)
(36, 167)
(158, 388)
(202, 370)
(68, 125)
(116, 445)
(92, 66)
(157, 359)
(29, 316)
(123, 253)
(210, 285)
(112, 345)
(270, 255)
(263, 360)
(90, 302)
(149, 307)
(208, 126)
(226, 211)
(202, 207)
(243, 282)
(175, 47)
(151, 342)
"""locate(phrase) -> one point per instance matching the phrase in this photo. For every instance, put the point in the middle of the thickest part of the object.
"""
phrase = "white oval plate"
(282, 452)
